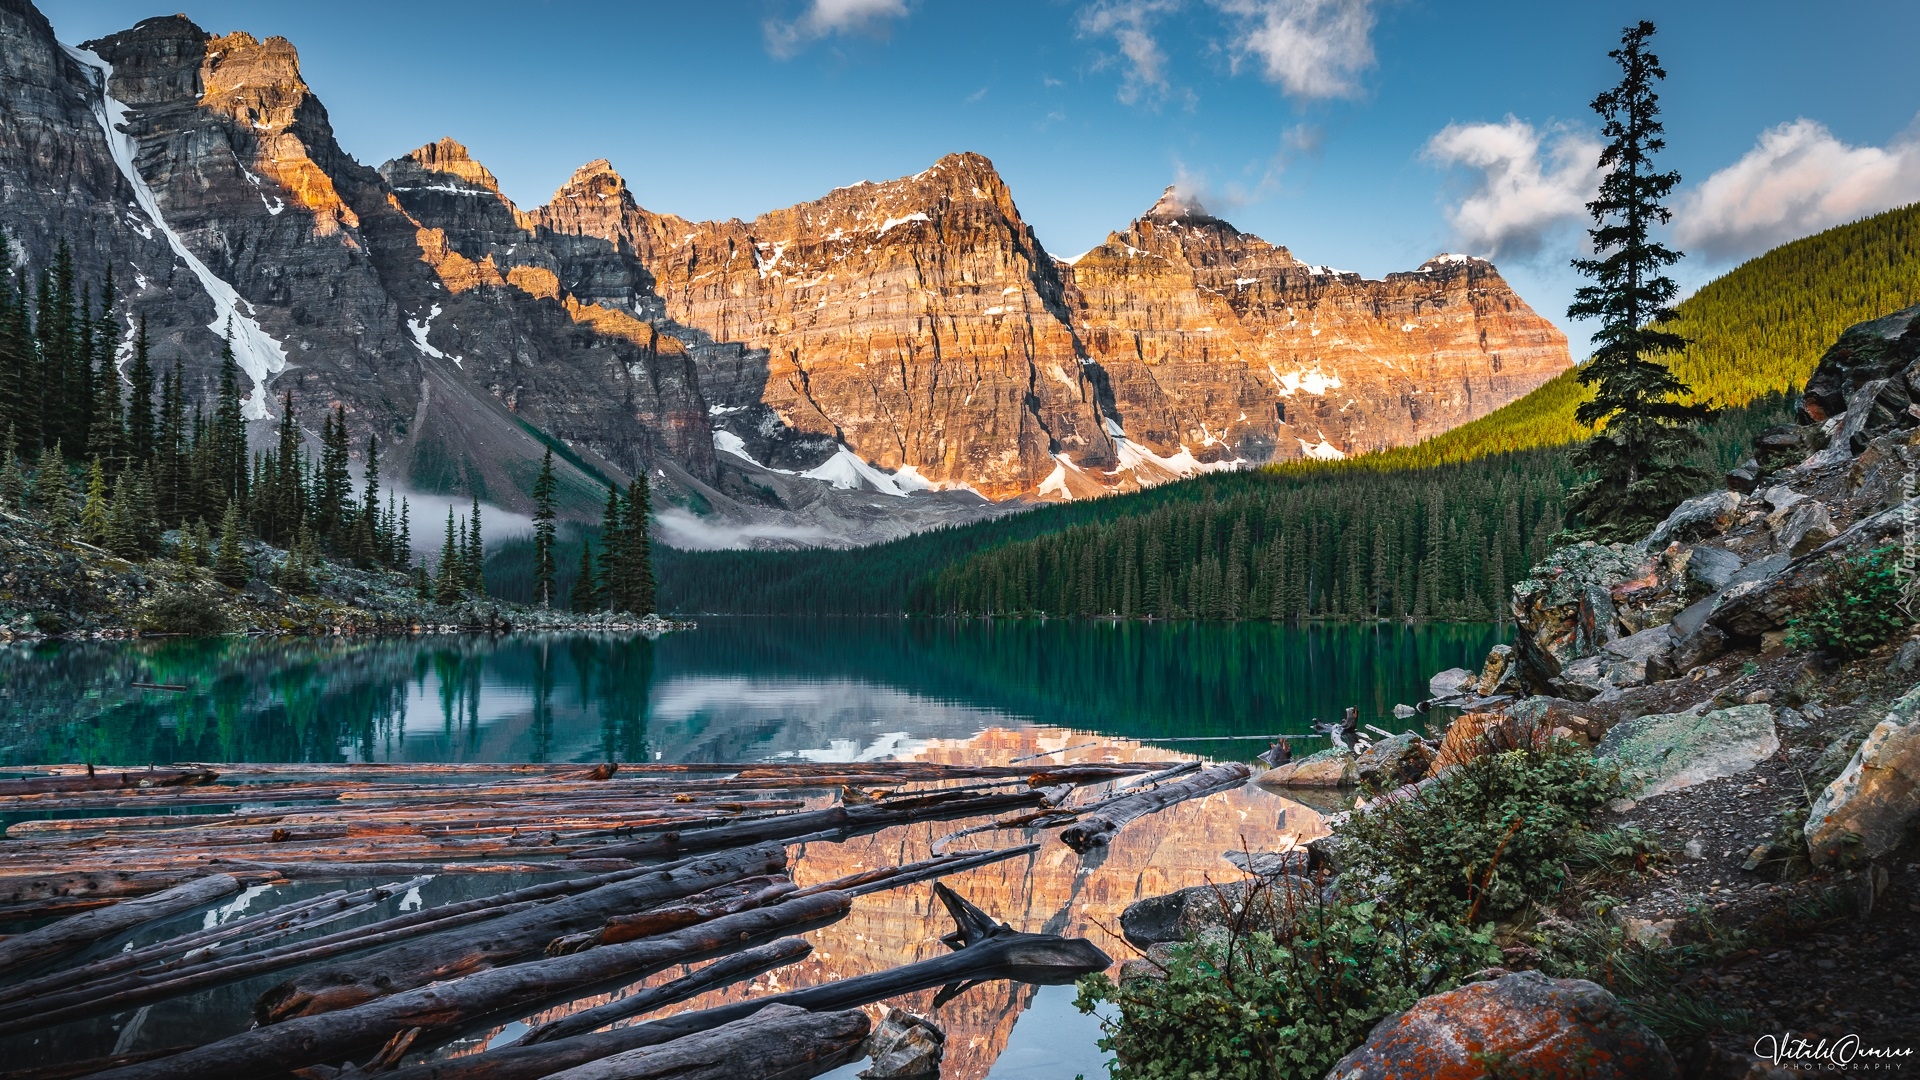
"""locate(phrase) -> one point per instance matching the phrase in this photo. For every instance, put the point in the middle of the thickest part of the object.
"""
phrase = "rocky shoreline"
(54, 586)
(1730, 669)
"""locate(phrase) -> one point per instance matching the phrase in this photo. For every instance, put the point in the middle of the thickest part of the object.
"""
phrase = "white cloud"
(1311, 48)
(1130, 24)
(824, 17)
(1529, 187)
(1798, 179)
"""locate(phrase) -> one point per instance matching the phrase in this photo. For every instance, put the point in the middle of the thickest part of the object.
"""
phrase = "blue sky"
(1366, 134)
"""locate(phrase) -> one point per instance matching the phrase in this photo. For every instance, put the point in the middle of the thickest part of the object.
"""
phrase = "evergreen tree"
(1640, 458)
(229, 435)
(106, 431)
(96, 508)
(586, 597)
(447, 585)
(170, 463)
(17, 361)
(195, 544)
(122, 535)
(475, 558)
(612, 560)
(230, 562)
(637, 546)
(13, 482)
(335, 482)
(139, 408)
(543, 532)
(422, 584)
(52, 491)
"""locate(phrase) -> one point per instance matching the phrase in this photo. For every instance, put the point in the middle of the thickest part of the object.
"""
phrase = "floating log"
(108, 781)
(503, 941)
(723, 972)
(178, 688)
(777, 1043)
(35, 895)
(834, 821)
(732, 898)
(985, 950)
(1096, 830)
(90, 927)
(444, 1010)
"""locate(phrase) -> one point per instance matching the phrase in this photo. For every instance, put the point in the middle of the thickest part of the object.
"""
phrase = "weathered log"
(777, 1043)
(444, 1010)
(723, 972)
(985, 951)
(1096, 830)
(128, 990)
(504, 941)
(88, 927)
(731, 898)
(108, 781)
(834, 821)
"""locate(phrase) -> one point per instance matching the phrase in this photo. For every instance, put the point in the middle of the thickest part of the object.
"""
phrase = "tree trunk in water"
(88, 927)
(1096, 830)
(777, 1043)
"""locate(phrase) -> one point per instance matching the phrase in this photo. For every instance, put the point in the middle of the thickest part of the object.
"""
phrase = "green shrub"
(1487, 838)
(181, 611)
(1862, 609)
(1280, 1005)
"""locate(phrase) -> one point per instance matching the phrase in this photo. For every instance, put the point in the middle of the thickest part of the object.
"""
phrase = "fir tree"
(17, 361)
(475, 558)
(447, 585)
(230, 562)
(1640, 457)
(96, 507)
(52, 492)
(122, 536)
(335, 481)
(13, 482)
(543, 532)
(139, 408)
(638, 547)
(422, 584)
(607, 586)
(106, 431)
(229, 436)
(586, 597)
(170, 471)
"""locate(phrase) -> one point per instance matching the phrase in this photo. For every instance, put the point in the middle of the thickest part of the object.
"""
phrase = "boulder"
(905, 1047)
(1473, 734)
(1696, 519)
(1451, 683)
(1186, 913)
(1638, 659)
(1332, 767)
(1875, 409)
(1498, 673)
(1517, 1025)
(1668, 751)
(1582, 680)
(1269, 863)
(1872, 806)
(1781, 499)
(1755, 605)
(1884, 472)
(1782, 445)
(1391, 762)
(1805, 528)
(1710, 569)
(1865, 352)
(1561, 718)
(1744, 477)
(1566, 610)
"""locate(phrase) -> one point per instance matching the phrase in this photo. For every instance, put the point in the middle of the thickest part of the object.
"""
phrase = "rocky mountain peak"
(1176, 205)
(595, 180)
(450, 158)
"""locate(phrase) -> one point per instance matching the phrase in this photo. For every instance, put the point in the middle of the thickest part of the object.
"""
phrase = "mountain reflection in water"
(779, 689)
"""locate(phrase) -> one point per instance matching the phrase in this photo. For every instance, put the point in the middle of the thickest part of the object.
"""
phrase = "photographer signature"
(1847, 1050)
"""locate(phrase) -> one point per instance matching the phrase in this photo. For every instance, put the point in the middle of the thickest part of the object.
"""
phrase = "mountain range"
(890, 357)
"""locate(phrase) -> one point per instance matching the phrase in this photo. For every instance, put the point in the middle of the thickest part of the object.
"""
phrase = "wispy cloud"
(1311, 48)
(826, 17)
(1259, 180)
(1130, 23)
(1797, 180)
(1530, 185)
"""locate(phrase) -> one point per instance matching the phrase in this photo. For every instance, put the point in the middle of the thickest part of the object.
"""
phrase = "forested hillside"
(1406, 532)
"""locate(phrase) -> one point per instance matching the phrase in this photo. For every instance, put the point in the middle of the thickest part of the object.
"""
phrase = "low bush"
(1283, 1003)
(1487, 838)
(1862, 610)
(181, 611)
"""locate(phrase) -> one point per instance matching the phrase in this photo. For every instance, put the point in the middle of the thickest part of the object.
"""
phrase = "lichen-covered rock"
(1391, 762)
(1566, 611)
(1762, 599)
(1638, 659)
(1561, 718)
(1332, 767)
(1865, 352)
(1516, 1025)
(1710, 569)
(1696, 519)
(1806, 527)
(905, 1047)
(1874, 803)
(1498, 673)
(1185, 913)
(1665, 752)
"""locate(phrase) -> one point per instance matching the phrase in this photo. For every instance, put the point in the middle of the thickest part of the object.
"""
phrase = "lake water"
(775, 689)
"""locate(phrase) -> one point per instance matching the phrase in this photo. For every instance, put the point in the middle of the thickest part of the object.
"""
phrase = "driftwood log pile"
(105, 876)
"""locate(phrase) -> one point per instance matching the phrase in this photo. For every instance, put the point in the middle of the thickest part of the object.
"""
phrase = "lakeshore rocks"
(1567, 611)
(905, 1046)
(1696, 519)
(1332, 767)
(1873, 805)
(1186, 913)
(1499, 674)
(1669, 751)
(1401, 759)
(1451, 683)
(1516, 1025)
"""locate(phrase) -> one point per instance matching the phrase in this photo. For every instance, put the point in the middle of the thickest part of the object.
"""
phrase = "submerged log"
(724, 972)
(985, 950)
(1096, 830)
(89, 927)
(444, 1010)
(778, 1043)
(504, 941)
(835, 821)
(108, 781)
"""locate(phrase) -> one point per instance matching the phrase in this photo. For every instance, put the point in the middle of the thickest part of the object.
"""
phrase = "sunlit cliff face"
(1052, 891)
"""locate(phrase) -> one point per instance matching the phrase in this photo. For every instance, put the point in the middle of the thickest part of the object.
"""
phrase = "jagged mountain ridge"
(787, 380)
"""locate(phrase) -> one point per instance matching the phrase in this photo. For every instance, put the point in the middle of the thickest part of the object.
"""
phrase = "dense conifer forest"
(1434, 531)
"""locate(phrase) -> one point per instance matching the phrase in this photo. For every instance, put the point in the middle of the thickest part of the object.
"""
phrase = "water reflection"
(735, 689)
